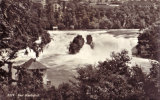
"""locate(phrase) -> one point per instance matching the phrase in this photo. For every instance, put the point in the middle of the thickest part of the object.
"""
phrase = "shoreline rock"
(90, 41)
(76, 44)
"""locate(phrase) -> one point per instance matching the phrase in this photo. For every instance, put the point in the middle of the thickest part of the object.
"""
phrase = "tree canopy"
(83, 16)
(112, 79)
(148, 42)
(19, 28)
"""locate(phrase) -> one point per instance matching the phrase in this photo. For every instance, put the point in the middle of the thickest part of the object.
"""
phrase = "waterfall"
(62, 64)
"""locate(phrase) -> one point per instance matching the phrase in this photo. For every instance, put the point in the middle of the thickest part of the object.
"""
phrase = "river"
(62, 66)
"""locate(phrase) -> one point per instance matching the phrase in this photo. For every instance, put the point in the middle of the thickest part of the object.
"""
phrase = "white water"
(62, 65)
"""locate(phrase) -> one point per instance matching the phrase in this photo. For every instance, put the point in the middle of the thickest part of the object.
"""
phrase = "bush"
(93, 25)
(115, 80)
(105, 24)
(61, 26)
(148, 43)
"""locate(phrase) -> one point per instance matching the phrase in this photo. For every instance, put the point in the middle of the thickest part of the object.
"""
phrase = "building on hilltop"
(63, 4)
(57, 5)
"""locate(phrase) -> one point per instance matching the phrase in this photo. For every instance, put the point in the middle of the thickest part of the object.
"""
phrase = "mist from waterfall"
(62, 64)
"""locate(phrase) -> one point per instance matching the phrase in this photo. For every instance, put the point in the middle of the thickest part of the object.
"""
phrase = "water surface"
(62, 66)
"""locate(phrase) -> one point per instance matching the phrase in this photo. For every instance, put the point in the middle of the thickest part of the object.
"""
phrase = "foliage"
(105, 24)
(82, 16)
(148, 43)
(112, 79)
(61, 26)
(115, 80)
(20, 28)
(29, 82)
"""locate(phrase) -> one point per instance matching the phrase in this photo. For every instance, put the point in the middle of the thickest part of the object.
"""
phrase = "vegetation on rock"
(76, 44)
(90, 41)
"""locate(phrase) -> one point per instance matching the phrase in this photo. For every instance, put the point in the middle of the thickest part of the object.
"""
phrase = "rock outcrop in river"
(76, 44)
(90, 41)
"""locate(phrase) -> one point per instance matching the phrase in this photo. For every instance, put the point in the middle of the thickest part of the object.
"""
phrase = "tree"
(61, 26)
(148, 43)
(152, 84)
(19, 29)
(105, 24)
(52, 93)
(85, 23)
(142, 24)
(66, 91)
(117, 24)
(93, 25)
(114, 80)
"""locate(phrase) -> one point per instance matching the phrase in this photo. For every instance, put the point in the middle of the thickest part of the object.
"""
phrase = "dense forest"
(77, 15)
(83, 16)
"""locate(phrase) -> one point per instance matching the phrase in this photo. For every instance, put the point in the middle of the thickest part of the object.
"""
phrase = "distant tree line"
(83, 16)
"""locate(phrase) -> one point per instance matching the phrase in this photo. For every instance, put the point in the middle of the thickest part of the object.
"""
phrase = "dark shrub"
(61, 26)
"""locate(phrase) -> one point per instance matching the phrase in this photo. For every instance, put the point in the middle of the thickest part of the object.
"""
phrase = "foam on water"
(55, 54)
